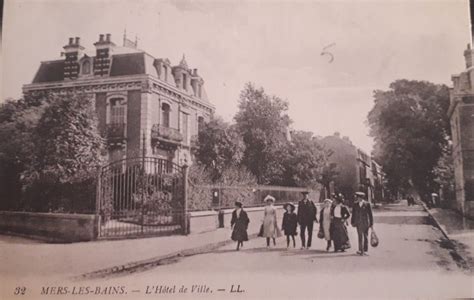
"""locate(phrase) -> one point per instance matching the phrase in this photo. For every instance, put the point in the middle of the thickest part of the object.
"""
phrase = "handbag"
(374, 240)
(320, 233)
(260, 232)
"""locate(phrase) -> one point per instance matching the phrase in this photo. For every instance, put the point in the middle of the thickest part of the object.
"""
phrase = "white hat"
(269, 198)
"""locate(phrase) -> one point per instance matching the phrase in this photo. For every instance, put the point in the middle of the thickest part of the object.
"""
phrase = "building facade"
(356, 170)
(143, 104)
(461, 114)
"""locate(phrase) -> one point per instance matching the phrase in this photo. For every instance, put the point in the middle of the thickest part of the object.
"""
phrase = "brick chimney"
(72, 52)
(103, 48)
(469, 53)
(468, 56)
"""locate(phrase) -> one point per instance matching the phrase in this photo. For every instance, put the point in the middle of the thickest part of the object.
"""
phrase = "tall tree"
(220, 147)
(18, 118)
(410, 127)
(68, 146)
(263, 122)
(305, 161)
(444, 175)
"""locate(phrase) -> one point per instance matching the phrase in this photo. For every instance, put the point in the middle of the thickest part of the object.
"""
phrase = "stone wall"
(205, 221)
(51, 226)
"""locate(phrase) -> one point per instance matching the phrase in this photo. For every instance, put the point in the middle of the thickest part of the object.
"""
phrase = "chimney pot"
(101, 37)
(71, 41)
(77, 40)
(108, 37)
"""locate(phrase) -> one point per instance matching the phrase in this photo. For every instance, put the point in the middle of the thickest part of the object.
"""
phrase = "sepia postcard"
(236, 149)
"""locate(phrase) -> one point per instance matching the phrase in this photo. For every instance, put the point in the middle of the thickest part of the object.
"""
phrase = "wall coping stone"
(49, 215)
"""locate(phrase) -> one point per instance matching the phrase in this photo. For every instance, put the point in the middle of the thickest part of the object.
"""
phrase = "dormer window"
(165, 73)
(86, 67)
(185, 82)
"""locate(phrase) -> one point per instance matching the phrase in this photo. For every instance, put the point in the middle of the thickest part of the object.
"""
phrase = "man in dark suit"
(362, 219)
(307, 212)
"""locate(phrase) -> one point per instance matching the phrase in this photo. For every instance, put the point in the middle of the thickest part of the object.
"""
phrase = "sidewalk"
(19, 256)
(458, 228)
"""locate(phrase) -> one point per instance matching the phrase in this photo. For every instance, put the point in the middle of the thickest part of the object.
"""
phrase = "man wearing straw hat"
(307, 212)
(362, 220)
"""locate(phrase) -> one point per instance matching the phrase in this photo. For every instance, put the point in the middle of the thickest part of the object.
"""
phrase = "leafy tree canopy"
(262, 121)
(410, 127)
(67, 145)
(220, 146)
(305, 161)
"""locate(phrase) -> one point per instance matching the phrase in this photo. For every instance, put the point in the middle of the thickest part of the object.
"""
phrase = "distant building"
(461, 114)
(137, 97)
(357, 171)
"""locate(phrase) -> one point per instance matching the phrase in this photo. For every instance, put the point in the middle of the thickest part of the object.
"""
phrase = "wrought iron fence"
(141, 196)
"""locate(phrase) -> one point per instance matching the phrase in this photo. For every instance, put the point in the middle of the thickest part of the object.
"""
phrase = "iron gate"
(141, 196)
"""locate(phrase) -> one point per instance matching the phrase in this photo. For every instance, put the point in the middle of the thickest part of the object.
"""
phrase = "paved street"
(409, 262)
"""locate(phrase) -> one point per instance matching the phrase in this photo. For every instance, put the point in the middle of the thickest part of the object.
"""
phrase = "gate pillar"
(185, 200)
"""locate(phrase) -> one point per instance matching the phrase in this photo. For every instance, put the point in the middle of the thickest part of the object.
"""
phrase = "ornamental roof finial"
(183, 63)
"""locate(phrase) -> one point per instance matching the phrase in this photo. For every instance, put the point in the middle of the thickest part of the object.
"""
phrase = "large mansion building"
(143, 104)
(461, 114)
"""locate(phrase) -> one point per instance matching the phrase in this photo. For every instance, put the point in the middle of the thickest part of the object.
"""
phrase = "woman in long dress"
(270, 225)
(340, 214)
(239, 224)
(325, 222)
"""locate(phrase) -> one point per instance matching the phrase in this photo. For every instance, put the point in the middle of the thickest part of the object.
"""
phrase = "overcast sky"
(275, 44)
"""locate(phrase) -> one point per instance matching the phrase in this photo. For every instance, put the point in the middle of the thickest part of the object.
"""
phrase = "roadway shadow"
(335, 255)
(304, 252)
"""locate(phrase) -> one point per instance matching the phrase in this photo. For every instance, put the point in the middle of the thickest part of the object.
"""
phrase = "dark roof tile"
(128, 64)
(50, 71)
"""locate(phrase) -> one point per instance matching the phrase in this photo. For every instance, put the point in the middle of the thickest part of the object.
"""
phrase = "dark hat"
(290, 205)
(238, 203)
(305, 192)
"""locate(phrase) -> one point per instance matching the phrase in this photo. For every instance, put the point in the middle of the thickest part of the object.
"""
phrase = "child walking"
(239, 224)
(290, 222)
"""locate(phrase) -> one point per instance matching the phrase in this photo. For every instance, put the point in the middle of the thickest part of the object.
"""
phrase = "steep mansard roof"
(50, 71)
(123, 64)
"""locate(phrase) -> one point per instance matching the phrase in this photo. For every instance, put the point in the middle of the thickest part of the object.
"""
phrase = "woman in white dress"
(270, 225)
(325, 222)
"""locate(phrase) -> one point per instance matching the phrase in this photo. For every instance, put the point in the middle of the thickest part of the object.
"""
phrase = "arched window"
(86, 67)
(165, 115)
(117, 111)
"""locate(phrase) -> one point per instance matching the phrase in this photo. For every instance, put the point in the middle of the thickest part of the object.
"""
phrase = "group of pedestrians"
(333, 222)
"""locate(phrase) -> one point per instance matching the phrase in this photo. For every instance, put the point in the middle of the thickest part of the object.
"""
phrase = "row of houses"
(356, 170)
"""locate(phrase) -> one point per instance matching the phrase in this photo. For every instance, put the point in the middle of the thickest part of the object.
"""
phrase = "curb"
(462, 263)
(155, 261)
(438, 225)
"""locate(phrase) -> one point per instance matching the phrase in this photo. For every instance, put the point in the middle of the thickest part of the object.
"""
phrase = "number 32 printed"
(20, 290)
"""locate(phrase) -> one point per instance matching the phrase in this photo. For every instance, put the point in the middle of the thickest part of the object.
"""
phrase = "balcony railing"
(115, 131)
(166, 134)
